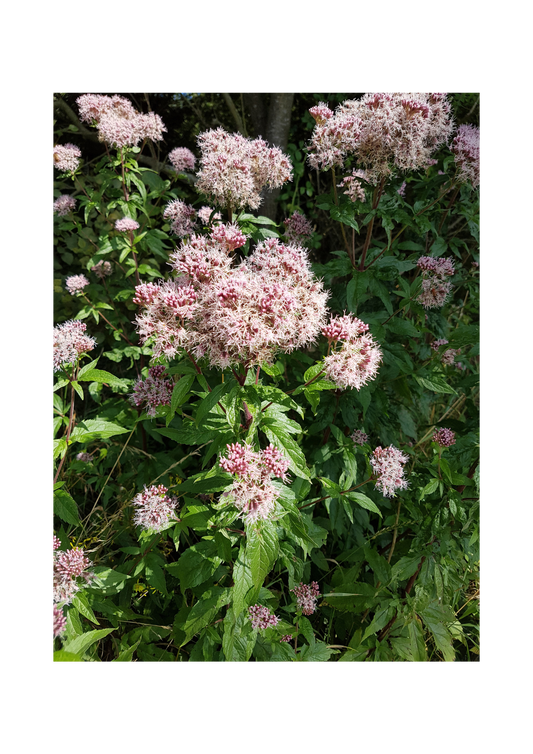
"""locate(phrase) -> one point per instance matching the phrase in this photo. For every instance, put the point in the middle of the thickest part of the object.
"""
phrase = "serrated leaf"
(95, 429)
(196, 565)
(204, 611)
(181, 390)
(65, 507)
(363, 501)
(211, 399)
(100, 375)
(290, 448)
(243, 584)
(262, 549)
(416, 636)
(435, 384)
(80, 644)
(81, 602)
(127, 654)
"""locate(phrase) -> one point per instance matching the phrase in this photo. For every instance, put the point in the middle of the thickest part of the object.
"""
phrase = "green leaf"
(378, 564)
(62, 656)
(363, 501)
(317, 652)
(80, 644)
(196, 565)
(204, 611)
(238, 640)
(243, 584)
(416, 636)
(155, 575)
(403, 327)
(381, 617)
(127, 654)
(78, 388)
(262, 549)
(442, 636)
(290, 448)
(81, 603)
(212, 398)
(356, 290)
(100, 375)
(65, 507)
(95, 429)
(210, 484)
(181, 390)
(429, 488)
(435, 384)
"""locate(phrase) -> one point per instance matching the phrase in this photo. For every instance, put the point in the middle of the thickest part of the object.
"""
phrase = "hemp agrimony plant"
(262, 422)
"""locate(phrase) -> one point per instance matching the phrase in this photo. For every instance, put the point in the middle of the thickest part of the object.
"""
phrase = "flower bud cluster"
(76, 283)
(465, 147)
(297, 227)
(155, 390)
(435, 288)
(306, 597)
(444, 437)
(64, 204)
(261, 617)
(182, 159)
(66, 157)
(70, 566)
(359, 437)
(125, 224)
(70, 342)
(117, 121)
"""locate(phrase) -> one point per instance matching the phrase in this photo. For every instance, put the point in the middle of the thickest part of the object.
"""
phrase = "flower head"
(387, 465)
(357, 360)
(383, 132)
(234, 169)
(448, 357)
(465, 147)
(444, 437)
(155, 390)
(126, 224)
(252, 492)
(85, 457)
(297, 227)
(76, 283)
(66, 157)
(118, 123)
(181, 216)
(154, 508)
(69, 567)
(60, 621)
(102, 269)
(261, 617)
(306, 597)
(64, 204)
(359, 437)
(204, 214)
(438, 343)
(182, 159)
(287, 637)
(321, 113)
(353, 186)
(435, 288)
(70, 342)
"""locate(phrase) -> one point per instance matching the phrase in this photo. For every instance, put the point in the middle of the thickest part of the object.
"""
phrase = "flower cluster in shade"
(126, 224)
(70, 342)
(71, 572)
(444, 437)
(387, 466)
(359, 437)
(261, 617)
(234, 170)
(435, 287)
(66, 157)
(465, 147)
(60, 621)
(297, 228)
(182, 159)
(268, 302)
(204, 214)
(353, 188)
(76, 283)
(155, 390)
(287, 638)
(306, 597)
(102, 269)
(64, 204)
(356, 356)
(154, 508)
(253, 493)
(84, 457)
(118, 123)
(448, 357)
(181, 216)
(382, 131)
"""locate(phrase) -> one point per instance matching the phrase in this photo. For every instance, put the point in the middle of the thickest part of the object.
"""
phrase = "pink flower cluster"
(321, 113)
(359, 437)
(306, 597)
(182, 217)
(465, 147)
(297, 227)
(60, 621)
(102, 269)
(271, 301)
(438, 343)
(444, 437)
(387, 465)
(76, 283)
(125, 224)
(357, 360)
(66, 157)
(70, 342)
(261, 617)
(182, 159)
(204, 213)
(155, 390)
(234, 169)
(64, 204)
(435, 288)
(448, 357)
(84, 457)
(154, 508)
(118, 123)
(382, 131)
(166, 307)
(401, 190)
(252, 492)
(69, 567)
(353, 186)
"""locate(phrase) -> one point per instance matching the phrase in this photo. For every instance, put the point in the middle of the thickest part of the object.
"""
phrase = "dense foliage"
(266, 429)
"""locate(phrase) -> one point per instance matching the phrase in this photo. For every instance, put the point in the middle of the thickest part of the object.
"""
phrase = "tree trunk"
(277, 135)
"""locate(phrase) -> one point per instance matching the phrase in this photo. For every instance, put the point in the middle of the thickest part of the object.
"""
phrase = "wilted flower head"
(102, 269)
(234, 169)
(353, 186)
(76, 283)
(69, 567)
(387, 465)
(444, 437)
(182, 159)
(154, 508)
(306, 597)
(261, 617)
(297, 227)
(155, 390)
(357, 360)
(383, 132)
(118, 123)
(64, 204)
(126, 224)
(66, 157)
(70, 342)
(466, 150)
(85, 457)
(204, 214)
(252, 493)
